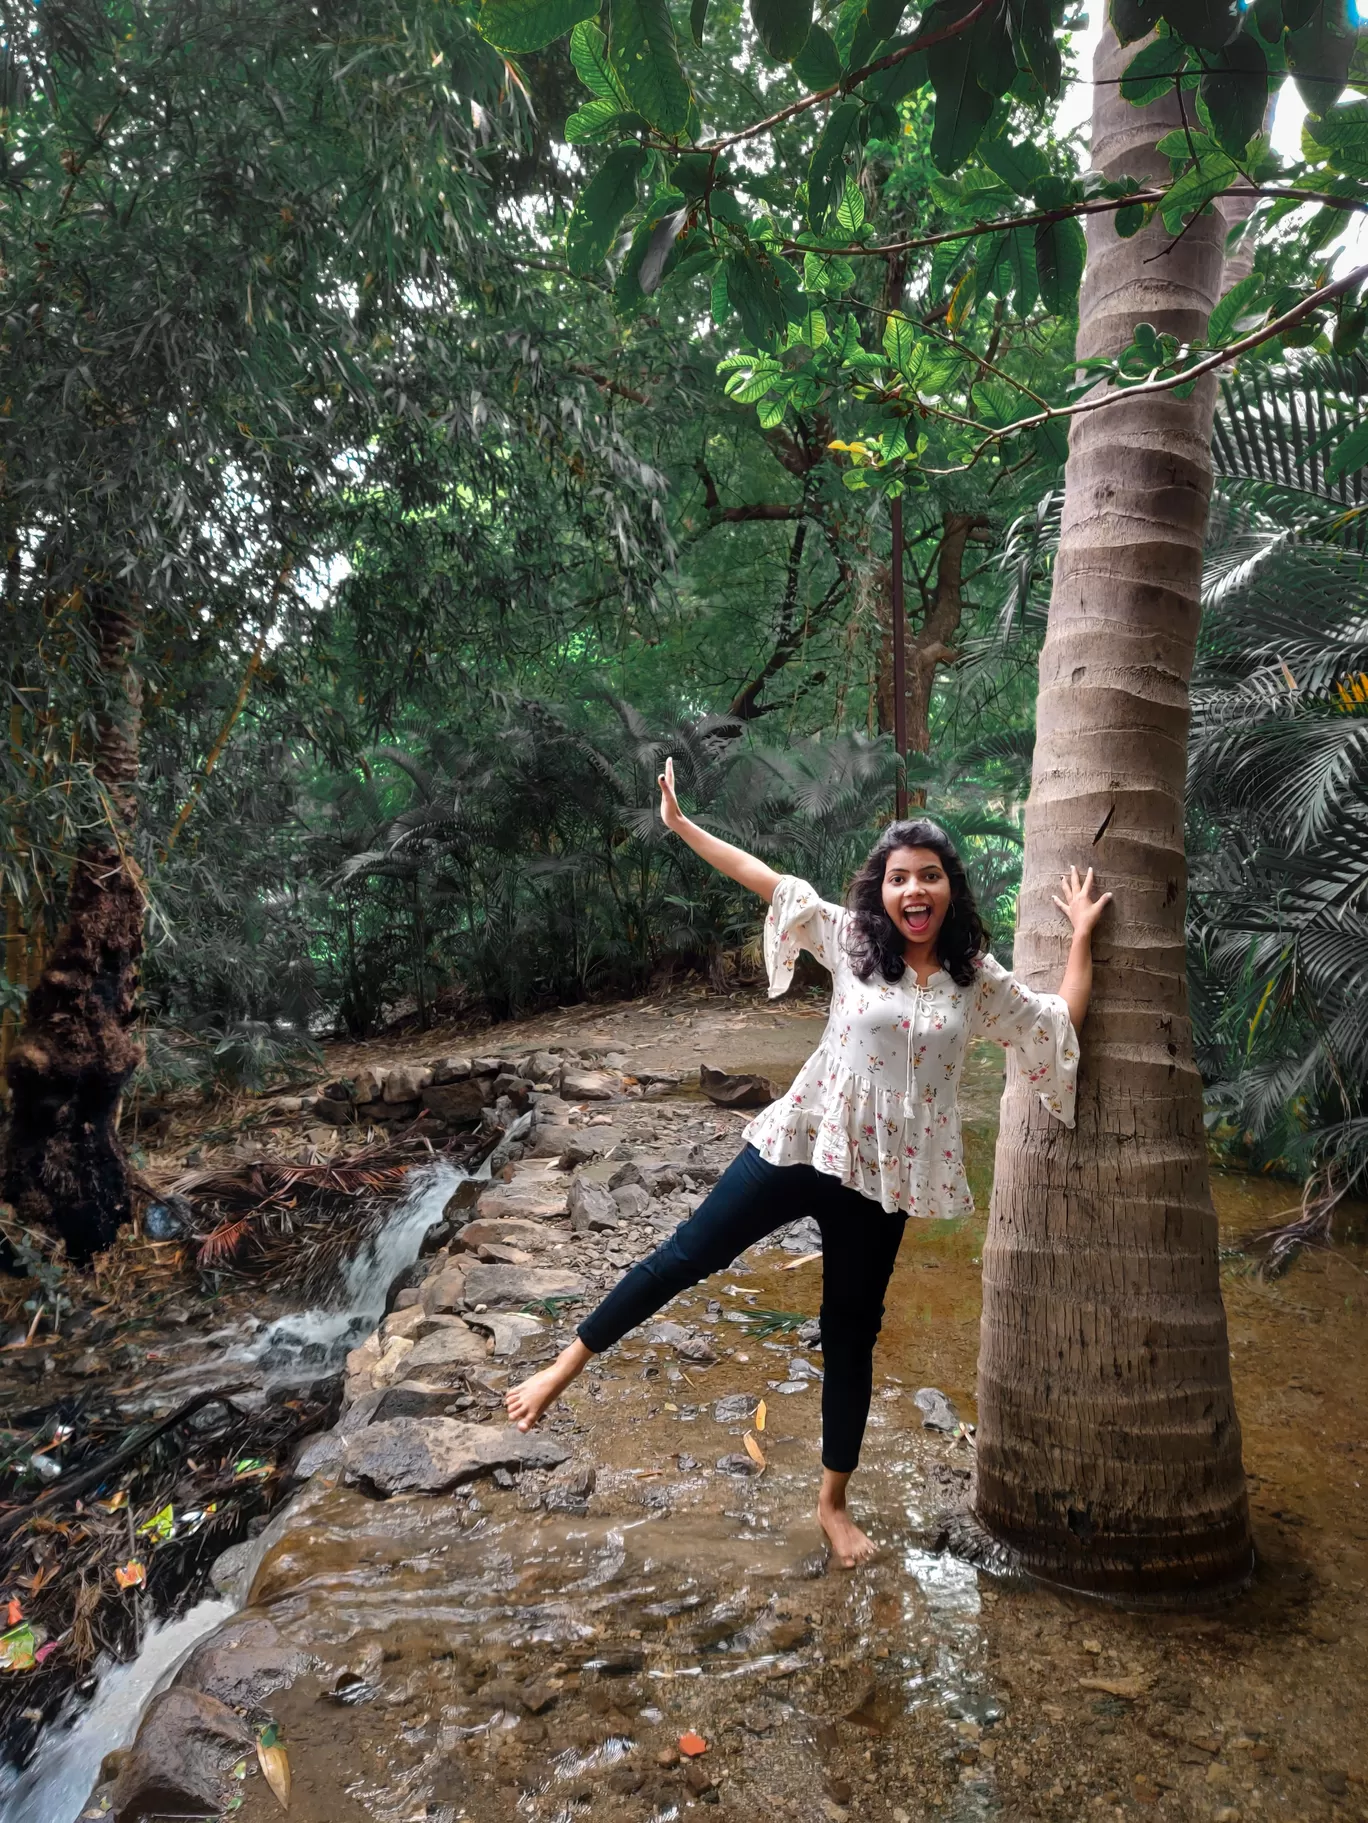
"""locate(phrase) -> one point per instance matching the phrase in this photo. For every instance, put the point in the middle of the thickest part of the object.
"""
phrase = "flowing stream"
(300, 1346)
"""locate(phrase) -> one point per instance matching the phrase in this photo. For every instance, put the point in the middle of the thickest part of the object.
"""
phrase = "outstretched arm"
(1082, 911)
(734, 862)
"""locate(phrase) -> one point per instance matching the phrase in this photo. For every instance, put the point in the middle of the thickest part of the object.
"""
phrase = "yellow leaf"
(754, 1451)
(275, 1768)
(760, 1416)
(960, 300)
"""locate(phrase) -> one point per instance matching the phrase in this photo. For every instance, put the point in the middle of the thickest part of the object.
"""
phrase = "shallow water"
(54, 1785)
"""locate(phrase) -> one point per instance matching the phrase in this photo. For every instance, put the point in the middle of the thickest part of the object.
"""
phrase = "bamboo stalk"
(215, 752)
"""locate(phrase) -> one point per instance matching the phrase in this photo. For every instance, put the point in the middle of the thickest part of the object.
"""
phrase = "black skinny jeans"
(750, 1200)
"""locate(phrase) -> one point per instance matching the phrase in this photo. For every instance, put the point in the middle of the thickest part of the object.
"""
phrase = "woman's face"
(916, 894)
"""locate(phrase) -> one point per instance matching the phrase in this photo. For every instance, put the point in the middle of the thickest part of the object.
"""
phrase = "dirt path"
(536, 1651)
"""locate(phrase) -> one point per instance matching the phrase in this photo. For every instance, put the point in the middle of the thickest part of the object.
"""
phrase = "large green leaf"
(1209, 177)
(756, 290)
(1320, 53)
(1033, 30)
(518, 26)
(698, 18)
(1341, 134)
(1151, 72)
(1233, 306)
(1021, 256)
(782, 26)
(826, 173)
(1235, 90)
(1135, 18)
(871, 22)
(963, 109)
(818, 65)
(589, 54)
(1349, 456)
(1208, 23)
(602, 206)
(594, 122)
(1022, 167)
(1060, 251)
(645, 59)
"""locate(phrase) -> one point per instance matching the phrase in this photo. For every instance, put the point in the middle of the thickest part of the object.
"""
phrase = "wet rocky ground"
(451, 1622)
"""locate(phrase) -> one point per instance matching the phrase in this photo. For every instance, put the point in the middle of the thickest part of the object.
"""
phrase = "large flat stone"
(509, 1287)
(429, 1455)
(527, 1199)
(512, 1332)
(508, 1231)
(444, 1290)
(593, 1209)
(415, 1399)
(447, 1347)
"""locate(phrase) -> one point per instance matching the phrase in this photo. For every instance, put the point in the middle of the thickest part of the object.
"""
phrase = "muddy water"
(516, 1663)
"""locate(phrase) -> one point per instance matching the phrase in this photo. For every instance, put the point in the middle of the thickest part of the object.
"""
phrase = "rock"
(320, 1454)
(242, 1662)
(363, 1359)
(454, 1346)
(666, 1334)
(538, 1694)
(1336, 1783)
(615, 1060)
(519, 1092)
(415, 1399)
(232, 1570)
(529, 1199)
(496, 1253)
(486, 1066)
(461, 1202)
(698, 1778)
(340, 1089)
(554, 1137)
(387, 1113)
(336, 1113)
(631, 1200)
(408, 1322)
(587, 1085)
(406, 1081)
(504, 1287)
(738, 1463)
(429, 1455)
(456, 1101)
(449, 1069)
(387, 1368)
(368, 1084)
(735, 1408)
(168, 1219)
(736, 1091)
(592, 1207)
(810, 1333)
(542, 1066)
(182, 1759)
(511, 1332)
(801, 1237)
(444, 1290)
(508, 1231)
(938, 1413)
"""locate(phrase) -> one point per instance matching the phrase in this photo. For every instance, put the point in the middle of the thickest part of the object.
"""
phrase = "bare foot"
(528, 1401)
(849, 1545)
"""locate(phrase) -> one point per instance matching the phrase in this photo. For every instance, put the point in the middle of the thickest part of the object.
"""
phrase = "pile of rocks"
(460, 1091)
(543, 1240)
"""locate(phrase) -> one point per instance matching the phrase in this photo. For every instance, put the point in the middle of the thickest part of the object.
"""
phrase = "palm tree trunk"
(1109, 1448)
(64, 1168)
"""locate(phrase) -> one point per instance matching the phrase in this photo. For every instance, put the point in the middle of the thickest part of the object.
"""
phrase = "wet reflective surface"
(533, 1654)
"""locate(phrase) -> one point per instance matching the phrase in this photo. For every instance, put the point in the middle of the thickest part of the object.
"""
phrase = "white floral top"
(877, 1103)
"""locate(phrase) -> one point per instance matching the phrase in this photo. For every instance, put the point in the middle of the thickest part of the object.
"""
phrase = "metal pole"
(899, 658)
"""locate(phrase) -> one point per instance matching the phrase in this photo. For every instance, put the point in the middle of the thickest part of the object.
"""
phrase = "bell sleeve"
(1037, 1027)
(799, 920)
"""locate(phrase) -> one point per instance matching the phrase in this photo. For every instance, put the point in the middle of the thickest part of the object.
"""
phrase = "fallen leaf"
(14, 1613)
(17, 1649)
(804, 1259)
(760, 1415)
(44, 1651)
(1128, 1687)
(691, 1745)
(131, 1575)
(160, 1526)
(275, 1765)
(753, 1450)
(116, 1501)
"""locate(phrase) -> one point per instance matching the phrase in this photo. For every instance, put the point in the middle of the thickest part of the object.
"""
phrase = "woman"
(869, 1133)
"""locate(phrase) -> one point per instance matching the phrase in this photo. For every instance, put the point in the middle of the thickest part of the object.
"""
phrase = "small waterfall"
(58, 1779)
(310, 1343)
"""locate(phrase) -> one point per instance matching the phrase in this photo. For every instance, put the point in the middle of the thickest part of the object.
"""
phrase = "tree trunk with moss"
(64, 1168)
(1108, 1445)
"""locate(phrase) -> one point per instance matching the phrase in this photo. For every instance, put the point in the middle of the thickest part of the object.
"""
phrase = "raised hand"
(1078, 904)
(670, 813)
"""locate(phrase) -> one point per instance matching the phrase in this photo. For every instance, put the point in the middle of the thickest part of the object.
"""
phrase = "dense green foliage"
(462, 438)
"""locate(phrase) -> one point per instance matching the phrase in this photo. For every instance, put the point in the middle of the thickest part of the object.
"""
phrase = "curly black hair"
(873, 940)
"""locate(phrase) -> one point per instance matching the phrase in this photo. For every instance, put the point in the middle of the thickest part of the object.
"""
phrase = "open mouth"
(917, 918)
